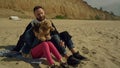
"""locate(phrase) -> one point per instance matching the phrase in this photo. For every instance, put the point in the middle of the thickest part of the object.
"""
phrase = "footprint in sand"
(85, 50)
(93, 51)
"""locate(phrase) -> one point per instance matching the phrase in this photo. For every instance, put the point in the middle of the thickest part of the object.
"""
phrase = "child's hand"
(62, 43)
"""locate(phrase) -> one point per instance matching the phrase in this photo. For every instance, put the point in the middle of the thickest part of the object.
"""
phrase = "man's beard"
(41, 18)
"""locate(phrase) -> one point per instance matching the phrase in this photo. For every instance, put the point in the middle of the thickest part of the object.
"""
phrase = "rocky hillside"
(71, 9)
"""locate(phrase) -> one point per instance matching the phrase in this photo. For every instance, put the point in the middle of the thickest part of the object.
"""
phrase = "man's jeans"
(56, 41)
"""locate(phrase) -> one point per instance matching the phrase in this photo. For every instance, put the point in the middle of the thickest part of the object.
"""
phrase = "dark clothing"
(21, 40)
(20, 44)
(56, 41)
(28, 40)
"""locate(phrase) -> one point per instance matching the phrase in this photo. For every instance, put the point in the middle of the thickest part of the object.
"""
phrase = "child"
(45, 49)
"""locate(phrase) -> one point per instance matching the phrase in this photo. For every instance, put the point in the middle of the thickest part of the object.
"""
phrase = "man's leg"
(66, 37)
(70, 59)
(20, 44)
(56, 41)
(21, 40)
(29, 40)
(71, 47)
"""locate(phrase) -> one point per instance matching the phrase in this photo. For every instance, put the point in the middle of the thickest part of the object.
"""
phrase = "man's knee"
(56, 38)
(69, 44)
(56, 41)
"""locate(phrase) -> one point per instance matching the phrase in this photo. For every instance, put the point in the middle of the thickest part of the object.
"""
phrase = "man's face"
(39, 14)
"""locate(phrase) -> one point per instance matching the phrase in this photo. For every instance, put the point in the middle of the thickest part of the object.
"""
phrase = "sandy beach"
(99, 41)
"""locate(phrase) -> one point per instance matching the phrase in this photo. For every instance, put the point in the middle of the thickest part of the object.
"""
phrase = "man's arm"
(28, 27)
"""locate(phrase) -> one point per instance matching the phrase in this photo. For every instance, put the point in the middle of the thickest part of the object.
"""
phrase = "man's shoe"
(72, 61)
(78, 56)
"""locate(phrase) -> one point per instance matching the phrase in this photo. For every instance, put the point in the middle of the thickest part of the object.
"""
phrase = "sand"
(99, 41)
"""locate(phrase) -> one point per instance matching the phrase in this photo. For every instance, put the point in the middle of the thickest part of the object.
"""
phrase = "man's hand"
(62, 43)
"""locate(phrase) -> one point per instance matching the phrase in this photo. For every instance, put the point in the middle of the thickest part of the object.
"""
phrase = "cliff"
(71, 9)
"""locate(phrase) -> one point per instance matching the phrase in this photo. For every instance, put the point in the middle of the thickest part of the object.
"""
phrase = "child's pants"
(45, 49)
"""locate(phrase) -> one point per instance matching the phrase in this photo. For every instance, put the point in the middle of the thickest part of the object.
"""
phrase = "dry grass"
(17, 7)
(53, 8)
(18, 4)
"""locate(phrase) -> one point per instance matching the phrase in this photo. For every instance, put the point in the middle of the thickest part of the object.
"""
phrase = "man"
(57, 39)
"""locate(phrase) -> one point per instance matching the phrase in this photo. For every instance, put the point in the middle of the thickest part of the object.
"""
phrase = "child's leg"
(57, 55)
(37, 52)
(54, 51)
(42, 49)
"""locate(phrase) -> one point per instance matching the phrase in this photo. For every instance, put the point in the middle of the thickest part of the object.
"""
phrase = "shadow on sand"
(7, 47)
(10, 59)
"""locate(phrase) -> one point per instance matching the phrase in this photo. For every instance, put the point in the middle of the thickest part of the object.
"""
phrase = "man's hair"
(37, 7)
